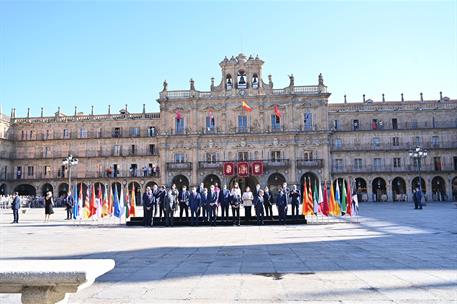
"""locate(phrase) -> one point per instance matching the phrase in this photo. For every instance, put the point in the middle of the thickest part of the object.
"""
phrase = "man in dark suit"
(212, 205)
(184, 203)
(295, 200)
(224, 202)
(281, 204)
(148, 205)
(16, 205)
(161, 198)
(169, 207)
(194, 204)
(68, 203)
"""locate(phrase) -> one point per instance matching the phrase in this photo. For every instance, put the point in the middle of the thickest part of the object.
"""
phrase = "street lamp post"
(417, 155)
(69, 162)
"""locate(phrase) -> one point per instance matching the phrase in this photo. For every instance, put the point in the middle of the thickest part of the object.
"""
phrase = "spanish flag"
(332, 202)
(132, 202)
(277, 112)
(246, 106)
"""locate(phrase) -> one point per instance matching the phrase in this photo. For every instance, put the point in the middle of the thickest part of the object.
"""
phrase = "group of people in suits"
(203, 204)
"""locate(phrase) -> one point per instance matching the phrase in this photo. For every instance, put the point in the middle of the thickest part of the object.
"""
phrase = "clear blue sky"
(100, 53)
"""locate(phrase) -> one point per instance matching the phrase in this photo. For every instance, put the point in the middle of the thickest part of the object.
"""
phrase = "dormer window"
(255, 81)
(241, 80)
(228, 82)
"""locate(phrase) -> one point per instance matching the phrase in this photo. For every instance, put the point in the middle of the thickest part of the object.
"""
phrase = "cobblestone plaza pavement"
(395, 254)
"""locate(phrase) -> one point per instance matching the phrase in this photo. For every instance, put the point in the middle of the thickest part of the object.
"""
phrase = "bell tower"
(241, 73)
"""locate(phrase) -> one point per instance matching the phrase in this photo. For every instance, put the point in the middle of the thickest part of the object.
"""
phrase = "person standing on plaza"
(286, 191)
(195, 201)
(15, 206)
(161, 199)
(169, 207)
(417, 198)
(236, 202)
(295, 200)
(258, 205)
(247, 198)
(224, 202)
(204, 205)
(68, 203)
(281, 204)
(268, 203)
(48, 206)
(184, 203)
(212, 205)
(148, 204)
(257, 189)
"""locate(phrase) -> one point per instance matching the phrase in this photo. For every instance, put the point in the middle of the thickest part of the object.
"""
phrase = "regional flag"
(277, 112)
(86, 210)
(332, 204)
(337, 200)
(325, 208)
(343, 199)
(178, 115)
(133, 202)
(349, 199)
(246, 106)
(316, 198)
(92, 206)
(76, 205)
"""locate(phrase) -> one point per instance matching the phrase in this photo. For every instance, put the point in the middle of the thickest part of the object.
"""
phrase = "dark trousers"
(294, 209)
(169, 218)
(417, 204)
(247, 213)
(15, 215)
(224, 212)
(282, 215)
(183, 207)
(148, 216)
(212, 214)
(160, 212)
(268, 210)
(69, 213)
(194, 216)
(205, 213)
(259, 215)
(236, 215)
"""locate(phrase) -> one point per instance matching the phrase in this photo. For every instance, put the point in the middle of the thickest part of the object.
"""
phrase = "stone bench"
(49, 281)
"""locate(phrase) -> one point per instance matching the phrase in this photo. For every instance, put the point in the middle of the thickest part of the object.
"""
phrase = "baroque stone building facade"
(291, 132)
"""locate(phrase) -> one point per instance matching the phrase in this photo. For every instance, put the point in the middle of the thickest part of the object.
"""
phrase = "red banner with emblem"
(229, 169)
(257, 168)
(243, 169)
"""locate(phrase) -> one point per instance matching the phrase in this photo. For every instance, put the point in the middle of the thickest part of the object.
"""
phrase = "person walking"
(68, 203)
(268, 203)
(295, 200)
(184, 203)
(15, 206)
(247, 198)
(258, 205)
(48, 206)
(417, 197)
(224, 202)
(236, 202)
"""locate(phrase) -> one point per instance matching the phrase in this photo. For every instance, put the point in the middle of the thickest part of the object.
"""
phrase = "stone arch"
(361, 189)
(275, 181)
(47, 187)
(98, 186)
(439, 189)
(454, 188)
(137, 192)
(415, 184)
(211, 179)
(62, 189)
(82, 187)
(116, 187)
(379, 187)
(150, 184)
(309, 176)
(25, 189)
(399, 189)
(250, 181)
(179, 181)
(3, 189)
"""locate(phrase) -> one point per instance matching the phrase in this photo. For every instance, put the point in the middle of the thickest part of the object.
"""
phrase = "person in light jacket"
(247, 199)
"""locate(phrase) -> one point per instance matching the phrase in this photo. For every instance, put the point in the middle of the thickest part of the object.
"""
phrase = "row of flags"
(105, 204)
(245, 107)
(338, 203)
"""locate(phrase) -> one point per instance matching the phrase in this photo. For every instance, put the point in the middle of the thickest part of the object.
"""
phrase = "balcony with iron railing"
(408, 125)
(210, 165)
(310, 163)
(276, 163)
(179, 166)
(393, 169)
(391, 147)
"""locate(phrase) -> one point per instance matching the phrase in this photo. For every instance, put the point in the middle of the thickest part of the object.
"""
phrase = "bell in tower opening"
(255, 81)
(228, 82)
(241, 80)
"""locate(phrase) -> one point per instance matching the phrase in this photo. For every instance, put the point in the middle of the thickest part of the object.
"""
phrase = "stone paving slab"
(394, 254)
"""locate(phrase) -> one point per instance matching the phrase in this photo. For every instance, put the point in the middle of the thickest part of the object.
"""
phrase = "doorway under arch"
(3, 189)
(379, 189)
(243, 182)
(179, 181)
(25, 189)
(308, 176)
(415, 184)
(398, 189)
(361, 189)
(275, 181)
(99, 187)
(47, 187)
(454, 188)
(439, 189)
(150, 184)
(62, 189)
(211, 179)
(138, 201)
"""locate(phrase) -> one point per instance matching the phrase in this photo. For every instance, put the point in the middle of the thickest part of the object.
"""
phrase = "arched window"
(241, 80)
(255, 81)
(210, 122)
(308, 121)
(228, 82)
(179, 125)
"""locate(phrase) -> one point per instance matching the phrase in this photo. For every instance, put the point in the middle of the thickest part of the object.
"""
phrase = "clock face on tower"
(242, 92)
